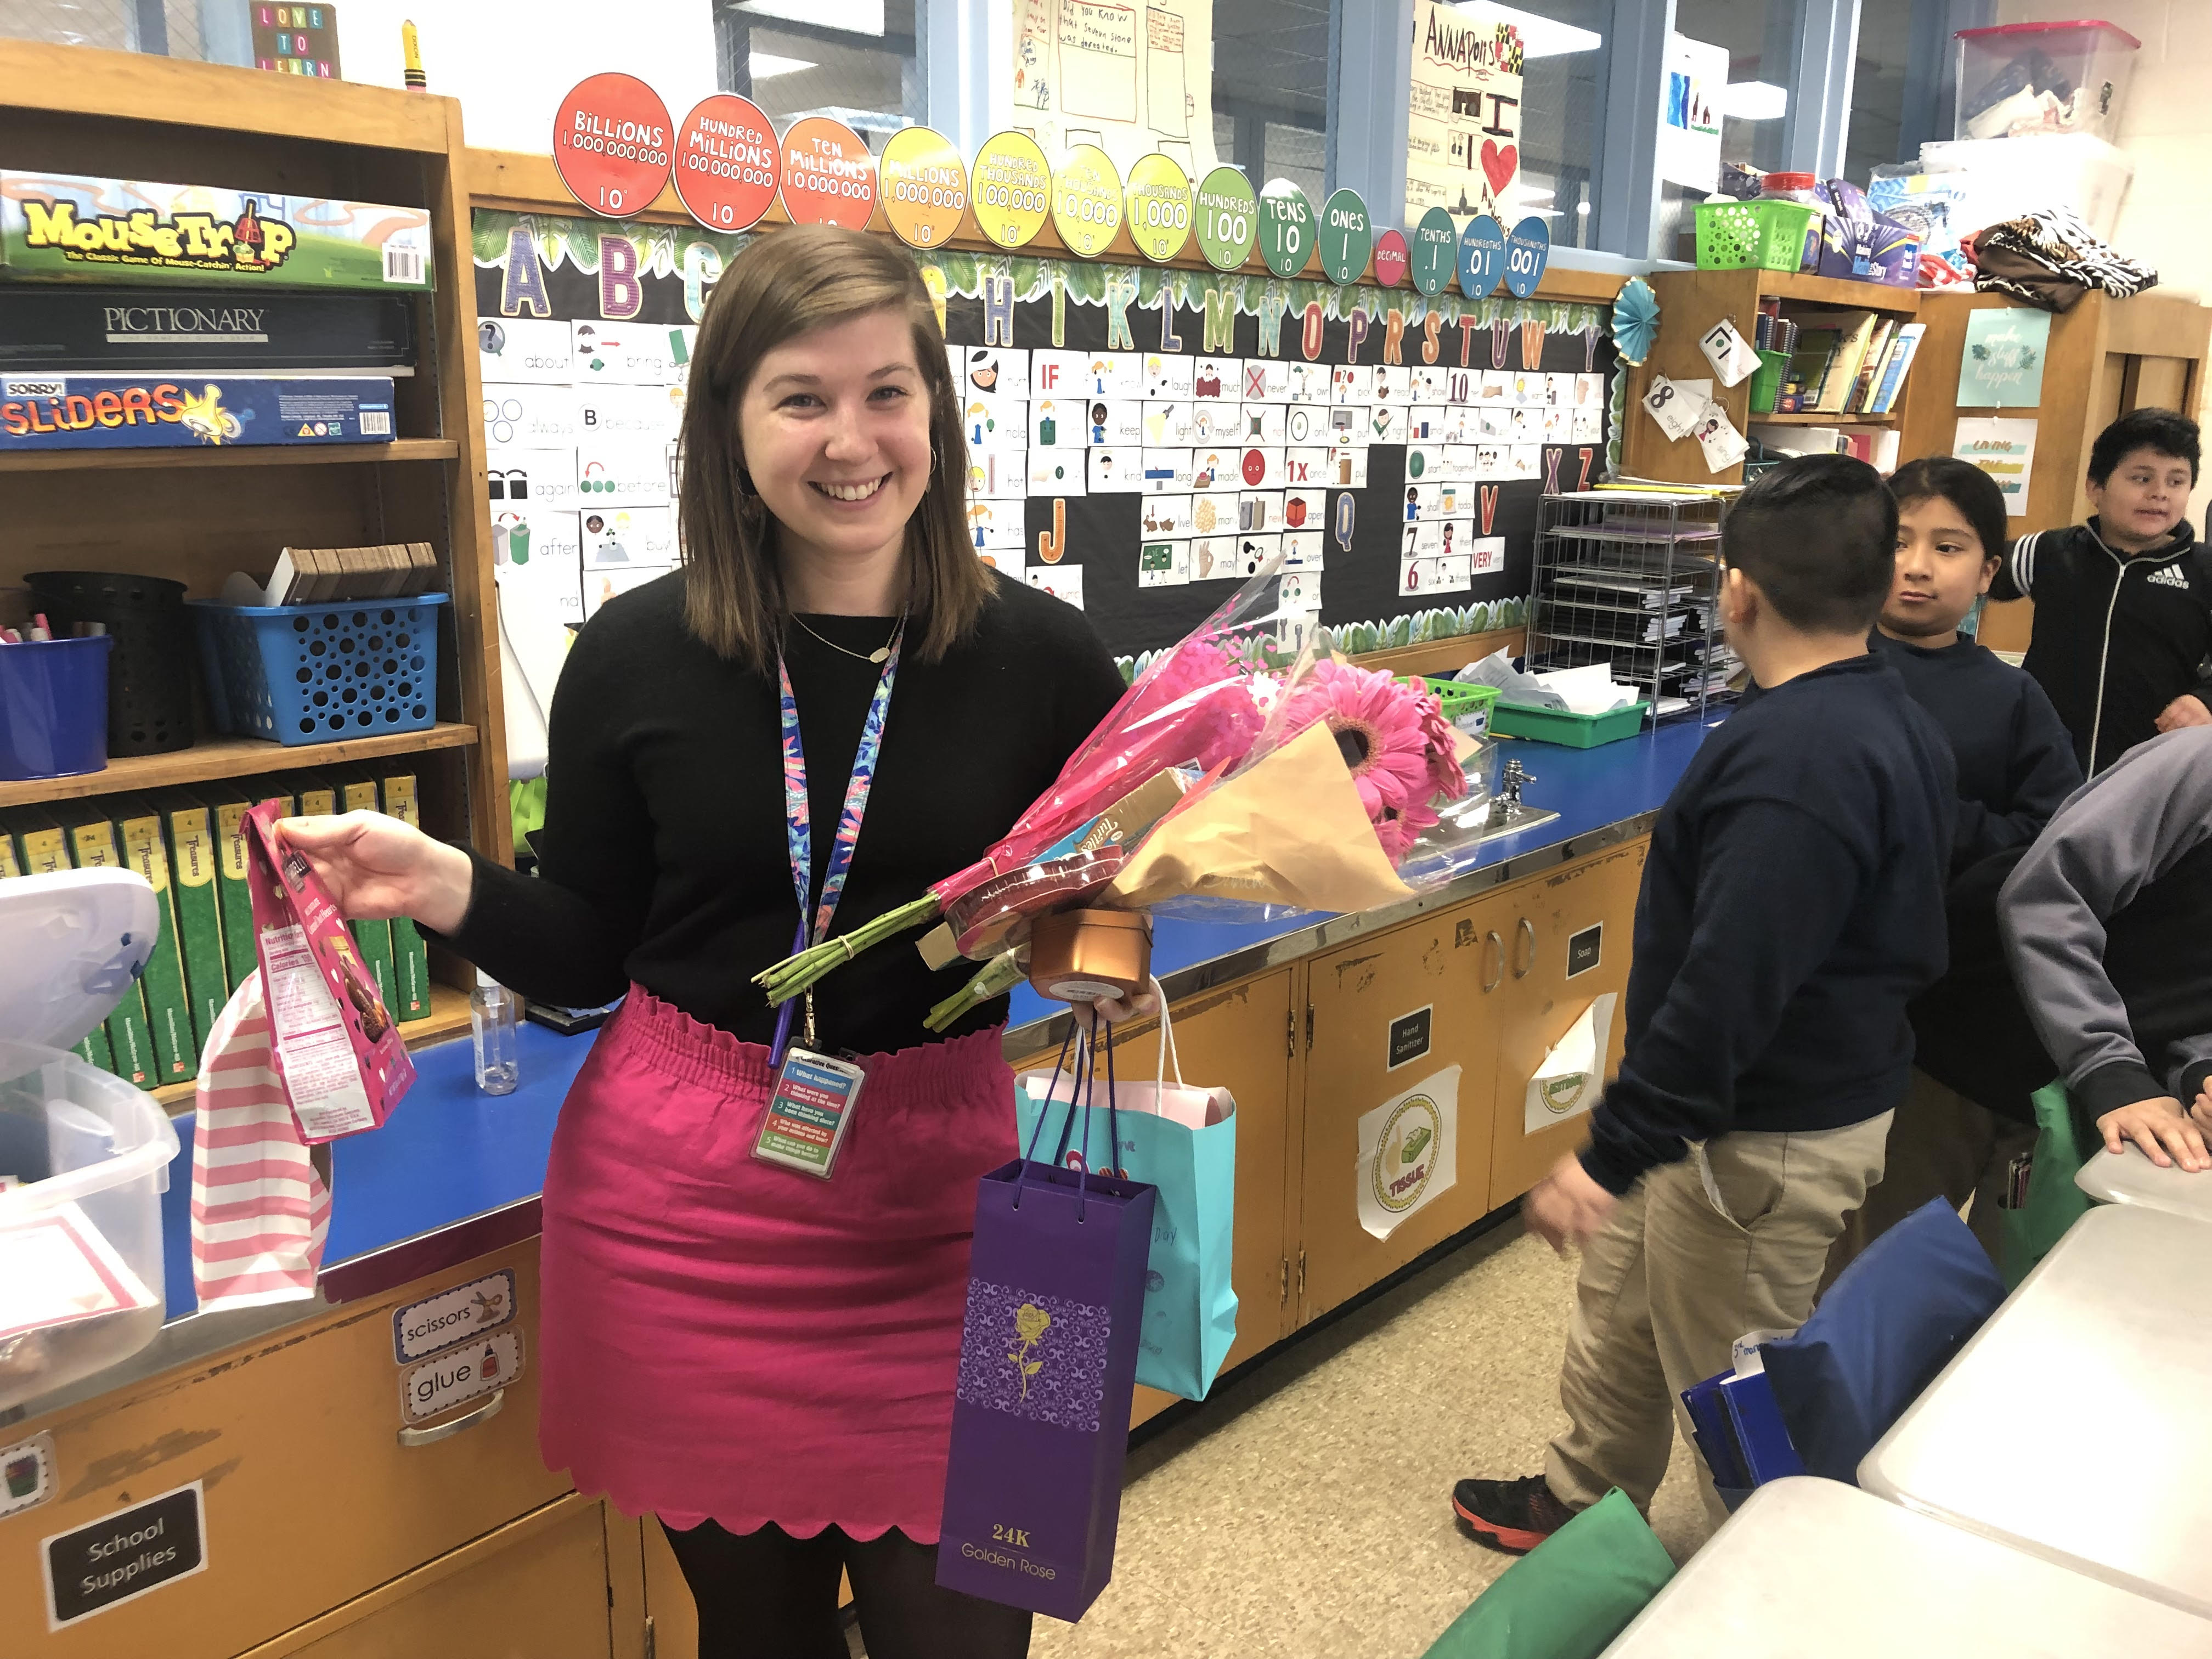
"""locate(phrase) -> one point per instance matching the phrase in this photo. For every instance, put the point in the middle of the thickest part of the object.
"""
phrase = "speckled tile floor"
(1305, 1513)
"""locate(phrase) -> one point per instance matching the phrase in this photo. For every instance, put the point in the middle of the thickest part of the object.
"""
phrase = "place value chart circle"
(1012, 189)
(1228, 218)
(1527, 251)
(726, 163)
(611, 144)
(1435, 252)
(1481, 256)
(1286, 228)
(1086, 200)
(1391, 258)
(1160, 207)
(828, 177)
(1347, 236)
(925, 185)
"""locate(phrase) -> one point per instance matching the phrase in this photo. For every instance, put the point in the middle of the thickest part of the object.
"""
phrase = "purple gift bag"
(1048, 1364)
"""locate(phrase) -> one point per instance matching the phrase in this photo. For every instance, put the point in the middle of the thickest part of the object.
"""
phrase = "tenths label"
(123, 1555)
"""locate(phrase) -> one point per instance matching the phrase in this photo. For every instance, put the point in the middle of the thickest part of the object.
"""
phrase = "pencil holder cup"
(53, 707)
(318, 673)
(149, 672)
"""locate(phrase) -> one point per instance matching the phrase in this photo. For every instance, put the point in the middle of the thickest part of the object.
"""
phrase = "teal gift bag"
(2054, 1202)
(1182, 1141)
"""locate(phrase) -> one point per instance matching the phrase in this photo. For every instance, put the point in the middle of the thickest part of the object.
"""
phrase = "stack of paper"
(1589, 690)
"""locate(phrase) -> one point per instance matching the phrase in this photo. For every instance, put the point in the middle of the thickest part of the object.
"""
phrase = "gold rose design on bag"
(1031, 1323)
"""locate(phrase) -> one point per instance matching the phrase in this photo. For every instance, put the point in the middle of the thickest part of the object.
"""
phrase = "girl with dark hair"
(832, 698)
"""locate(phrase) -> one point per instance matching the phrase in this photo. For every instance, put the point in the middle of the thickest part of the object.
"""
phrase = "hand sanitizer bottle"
(491, 1019)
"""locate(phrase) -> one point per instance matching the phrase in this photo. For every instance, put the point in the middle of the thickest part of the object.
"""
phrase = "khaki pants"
(1730, 1240)
(1940, 1146)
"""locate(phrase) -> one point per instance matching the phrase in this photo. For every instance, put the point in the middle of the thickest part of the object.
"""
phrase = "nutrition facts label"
(315, 1050)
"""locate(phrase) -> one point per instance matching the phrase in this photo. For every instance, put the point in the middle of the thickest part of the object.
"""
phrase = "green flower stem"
(994, 978)
(789, 978)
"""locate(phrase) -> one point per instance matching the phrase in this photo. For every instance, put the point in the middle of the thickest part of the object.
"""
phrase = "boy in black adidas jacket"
(2124, 603)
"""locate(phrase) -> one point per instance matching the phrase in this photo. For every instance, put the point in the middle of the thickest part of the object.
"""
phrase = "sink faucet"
(1505, 806)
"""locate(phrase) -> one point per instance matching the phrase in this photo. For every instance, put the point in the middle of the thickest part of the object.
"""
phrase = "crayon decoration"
(1160, 207)
(726, 163)
(1532, 343)
(410, 55)
(1012, 189)
(1228, 218)
(1346, 517)
(1392, 258)
(1501, 332)
(611, 144)
(829, 176)
(1086, 201)
(925, 185)
(1286, 228)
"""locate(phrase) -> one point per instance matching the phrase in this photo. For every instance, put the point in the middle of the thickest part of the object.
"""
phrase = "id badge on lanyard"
(810, 1104)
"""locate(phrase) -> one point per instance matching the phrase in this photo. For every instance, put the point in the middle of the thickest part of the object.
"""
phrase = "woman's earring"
(748, 501)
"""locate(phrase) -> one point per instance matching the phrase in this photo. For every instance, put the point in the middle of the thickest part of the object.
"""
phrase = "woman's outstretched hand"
(375, 866)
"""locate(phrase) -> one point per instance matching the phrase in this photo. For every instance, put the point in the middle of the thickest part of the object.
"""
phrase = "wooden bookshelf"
(139, 460)
(1833, 418)
(1830, 292)
(230, 757)
(449, 1017)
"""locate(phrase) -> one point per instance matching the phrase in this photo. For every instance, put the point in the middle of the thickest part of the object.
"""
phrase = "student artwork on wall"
(1129, 78)
(1463, 114)
(1136, 437)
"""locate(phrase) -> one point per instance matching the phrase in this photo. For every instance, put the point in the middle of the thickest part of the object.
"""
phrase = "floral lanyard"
(799, 833)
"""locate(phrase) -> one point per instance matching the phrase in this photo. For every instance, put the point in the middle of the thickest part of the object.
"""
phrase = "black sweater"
(1792, 906)
(663, 859)
(2136, 629)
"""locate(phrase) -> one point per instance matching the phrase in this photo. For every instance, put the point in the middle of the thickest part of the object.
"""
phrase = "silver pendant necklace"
(878, 656)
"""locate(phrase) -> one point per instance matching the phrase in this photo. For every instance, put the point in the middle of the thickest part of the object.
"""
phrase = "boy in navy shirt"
(1792, 906)
(2124, 603)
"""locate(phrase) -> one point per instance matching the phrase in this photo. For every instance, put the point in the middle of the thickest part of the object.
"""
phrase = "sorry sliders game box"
(183, 411)
(63, 228)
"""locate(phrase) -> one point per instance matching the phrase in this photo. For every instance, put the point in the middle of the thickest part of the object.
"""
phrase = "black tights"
(767, 1595)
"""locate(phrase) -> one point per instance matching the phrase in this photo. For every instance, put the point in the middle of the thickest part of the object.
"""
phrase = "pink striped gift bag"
(261, 1209)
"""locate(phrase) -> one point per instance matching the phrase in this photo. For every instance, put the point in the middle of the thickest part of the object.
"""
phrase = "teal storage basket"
(318, 673)
(1567, 729)
(1764, 234)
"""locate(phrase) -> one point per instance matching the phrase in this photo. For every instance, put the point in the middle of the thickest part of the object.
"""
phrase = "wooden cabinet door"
(1451, 964)
(311, 1500)
(535, 1589)
(1568, 942)
(1239, 1039)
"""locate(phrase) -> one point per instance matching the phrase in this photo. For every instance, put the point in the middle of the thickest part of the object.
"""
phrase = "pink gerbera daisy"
(1379, 731)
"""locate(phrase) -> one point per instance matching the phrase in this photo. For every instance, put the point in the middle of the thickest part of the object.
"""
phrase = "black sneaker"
(1513, 1517)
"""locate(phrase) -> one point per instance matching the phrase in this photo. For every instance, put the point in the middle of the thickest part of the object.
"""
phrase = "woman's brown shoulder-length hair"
(786, 283)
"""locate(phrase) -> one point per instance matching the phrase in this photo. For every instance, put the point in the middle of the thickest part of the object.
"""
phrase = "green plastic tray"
(1570, 731)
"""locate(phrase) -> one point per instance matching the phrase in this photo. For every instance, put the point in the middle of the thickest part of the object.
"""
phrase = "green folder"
(143, 847)
(373, 938)
(189, 827)
(410, 956)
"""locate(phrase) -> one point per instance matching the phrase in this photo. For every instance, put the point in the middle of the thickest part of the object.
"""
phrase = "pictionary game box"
(63, 228)
(183, 411)
(62, 328)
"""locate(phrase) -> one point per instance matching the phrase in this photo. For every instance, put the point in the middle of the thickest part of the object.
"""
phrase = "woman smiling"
(829, 706)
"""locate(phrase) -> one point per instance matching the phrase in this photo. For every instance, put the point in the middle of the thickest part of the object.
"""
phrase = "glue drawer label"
(422, 1328)
(454, 1378)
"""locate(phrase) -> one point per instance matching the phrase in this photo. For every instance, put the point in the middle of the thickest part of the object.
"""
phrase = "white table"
(2075, 1424)
(2128, 1176)
(1817, 1570)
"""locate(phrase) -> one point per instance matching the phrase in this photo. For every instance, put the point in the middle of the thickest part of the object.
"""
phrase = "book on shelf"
(410, 956)
(1854, 337)
(189, 826)
(1902, 350)
(1807, 366)
(308, 575)
(139, 839)
(1877, 352)
(1877, 446)
(229, 799)
(357, 792)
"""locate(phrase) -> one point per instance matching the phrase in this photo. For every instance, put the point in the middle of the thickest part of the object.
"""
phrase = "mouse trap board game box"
(63, 228)
(184, 411)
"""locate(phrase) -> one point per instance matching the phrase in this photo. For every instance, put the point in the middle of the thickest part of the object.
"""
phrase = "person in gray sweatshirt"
(2105, 920)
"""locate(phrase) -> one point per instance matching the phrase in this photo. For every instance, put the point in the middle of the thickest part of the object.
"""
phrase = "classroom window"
(1562, 101)
(1271, 75)
(1761, 39)
(169, 27)
(853, 60)
(1875, 138)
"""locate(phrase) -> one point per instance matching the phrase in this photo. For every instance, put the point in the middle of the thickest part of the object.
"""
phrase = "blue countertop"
(451, 1155)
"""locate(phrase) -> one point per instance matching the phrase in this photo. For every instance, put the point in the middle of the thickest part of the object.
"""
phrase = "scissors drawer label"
(466, 1311)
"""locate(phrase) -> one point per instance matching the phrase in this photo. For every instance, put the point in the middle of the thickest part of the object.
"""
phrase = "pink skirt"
(726, 1339)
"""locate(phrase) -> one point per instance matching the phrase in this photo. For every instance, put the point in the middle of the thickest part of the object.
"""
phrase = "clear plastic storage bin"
(2019, 80)
(81, 1268)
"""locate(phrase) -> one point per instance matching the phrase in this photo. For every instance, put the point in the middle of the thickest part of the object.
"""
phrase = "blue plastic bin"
(316, 673)
(53, 707)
